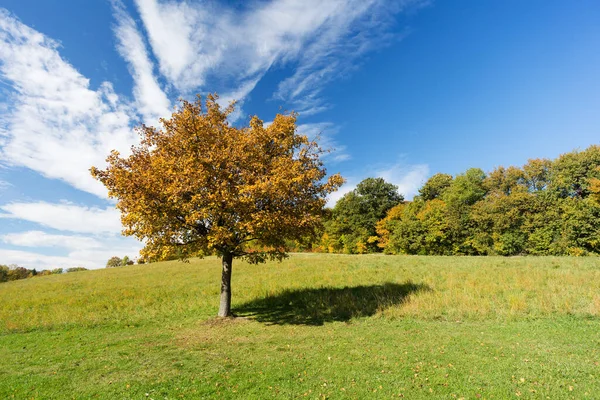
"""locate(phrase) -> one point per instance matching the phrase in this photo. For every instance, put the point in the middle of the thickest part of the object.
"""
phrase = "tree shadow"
(317, 306)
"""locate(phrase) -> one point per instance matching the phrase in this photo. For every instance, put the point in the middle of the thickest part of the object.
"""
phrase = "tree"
(571, 172)
(15, 273)
(199, 186)
(4, 273)
(355, 215)
(76, 269)
(435, 186)
(126, 261)
(114, 262)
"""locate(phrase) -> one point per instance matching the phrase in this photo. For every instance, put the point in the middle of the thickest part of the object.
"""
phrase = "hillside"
(332, 326)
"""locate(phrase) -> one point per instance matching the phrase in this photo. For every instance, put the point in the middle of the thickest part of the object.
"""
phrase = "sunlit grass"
(331, 325)
(458, 288)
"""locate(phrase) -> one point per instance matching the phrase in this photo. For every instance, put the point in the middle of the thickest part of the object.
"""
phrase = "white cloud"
(324, 133)
(352, 29)
(88, 258)
(54, 123)
(408, 178)
(66, 217)
(41, 261)
(151, 101)
(347, 187)
(43, 239)
(96, 258)
(204, 41)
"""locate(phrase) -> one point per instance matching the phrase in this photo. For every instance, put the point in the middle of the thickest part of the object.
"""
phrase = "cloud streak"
(325, 133)
(56, 124)
(66, 217)
(408, 178)
(200, 42)
(43, 239)
(151, 101)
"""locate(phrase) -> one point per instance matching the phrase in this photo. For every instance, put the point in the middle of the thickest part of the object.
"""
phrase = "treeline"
(116, 261)
(546, 207)
(14, 272)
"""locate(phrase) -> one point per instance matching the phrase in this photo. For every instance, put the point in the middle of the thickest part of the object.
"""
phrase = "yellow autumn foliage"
(198, 185)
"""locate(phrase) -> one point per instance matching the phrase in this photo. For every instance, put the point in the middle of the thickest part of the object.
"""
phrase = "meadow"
(314, 326)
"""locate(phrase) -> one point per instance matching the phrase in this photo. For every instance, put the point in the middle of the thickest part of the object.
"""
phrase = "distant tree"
(57, 271)
(406, 230)
(571, 172)
(384, 227)
(504, 180)
(76, 269)
(4, 273)
(126, 261)
(435, 186)
(16, 273)
(466, 189)
(114, 262)
(547, 207)
(355, 215)
(200, 186)
(595, 187)
(536, 174)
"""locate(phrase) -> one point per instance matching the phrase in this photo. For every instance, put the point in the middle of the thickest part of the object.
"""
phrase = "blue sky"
(400, 89)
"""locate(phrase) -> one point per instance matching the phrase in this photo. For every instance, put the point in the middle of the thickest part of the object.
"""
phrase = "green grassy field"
(314, 326)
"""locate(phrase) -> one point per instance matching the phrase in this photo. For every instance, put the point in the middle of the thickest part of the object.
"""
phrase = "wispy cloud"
(56, 124)
(66, 217)
(200, 42)
(325, 133)
(88, 258)
(408, 178)
(43, 239)
(151, 101)
(40, 261)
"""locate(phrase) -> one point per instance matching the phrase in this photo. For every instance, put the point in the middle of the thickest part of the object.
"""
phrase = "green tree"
(466, 190)
(4, 273)
(126, 261)
(114, 262)
(572, 172)
(407, 233)
(536, 174)
(435, 186)
(355, 215)
(76, 269)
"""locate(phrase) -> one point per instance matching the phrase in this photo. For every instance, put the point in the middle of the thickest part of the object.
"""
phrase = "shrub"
(76, 269)
(114, 262)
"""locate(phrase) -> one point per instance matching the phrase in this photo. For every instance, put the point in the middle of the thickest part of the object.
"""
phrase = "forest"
(545, 207)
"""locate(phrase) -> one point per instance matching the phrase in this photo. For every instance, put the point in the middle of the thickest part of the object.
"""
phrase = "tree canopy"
(198, 185)
(546, 207)
(351, 227)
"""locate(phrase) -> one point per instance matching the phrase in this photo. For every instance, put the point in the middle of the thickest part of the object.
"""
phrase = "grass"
(314, 326)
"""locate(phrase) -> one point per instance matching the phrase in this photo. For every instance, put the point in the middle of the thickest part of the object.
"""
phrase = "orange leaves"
(199, 185)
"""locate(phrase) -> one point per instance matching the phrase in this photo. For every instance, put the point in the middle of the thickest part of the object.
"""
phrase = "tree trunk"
(225, 306)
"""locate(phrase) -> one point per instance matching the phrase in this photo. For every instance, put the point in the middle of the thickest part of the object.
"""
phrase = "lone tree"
(199, 186)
